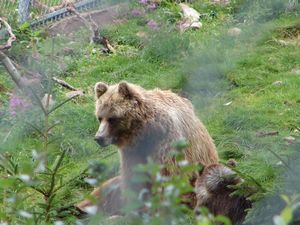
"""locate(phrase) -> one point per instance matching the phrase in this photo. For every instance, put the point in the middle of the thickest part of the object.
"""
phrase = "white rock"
(141, 34)
(278, 83)
(189, 12)
(221, 2)
(289, 139)
(234, 32)
(295, 71)
(190, 18)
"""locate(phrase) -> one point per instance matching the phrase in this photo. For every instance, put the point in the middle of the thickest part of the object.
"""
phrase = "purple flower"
(136, 12)
(143, 2)
(17, 104)
(153, 25)
(151, 7)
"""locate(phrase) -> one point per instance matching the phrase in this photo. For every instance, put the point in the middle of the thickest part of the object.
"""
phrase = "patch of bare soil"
(101, 17)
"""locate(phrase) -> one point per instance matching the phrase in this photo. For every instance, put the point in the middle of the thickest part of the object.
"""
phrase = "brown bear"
(214, 191)
(145, 124)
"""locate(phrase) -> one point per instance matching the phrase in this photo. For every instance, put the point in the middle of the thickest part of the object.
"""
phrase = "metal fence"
(37, 12)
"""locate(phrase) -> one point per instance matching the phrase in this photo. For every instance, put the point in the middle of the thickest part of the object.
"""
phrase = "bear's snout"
(102, 141)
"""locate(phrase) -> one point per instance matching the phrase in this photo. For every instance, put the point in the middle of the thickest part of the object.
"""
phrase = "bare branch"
(64, 84)
(72, 9)
(264, 134)
(11, 38)
(13, 72)
(94, 29)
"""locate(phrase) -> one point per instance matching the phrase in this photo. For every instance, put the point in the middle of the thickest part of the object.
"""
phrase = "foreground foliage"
(241, 85)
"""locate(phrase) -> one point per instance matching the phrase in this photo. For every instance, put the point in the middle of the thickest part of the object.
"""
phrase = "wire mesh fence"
(29, 10)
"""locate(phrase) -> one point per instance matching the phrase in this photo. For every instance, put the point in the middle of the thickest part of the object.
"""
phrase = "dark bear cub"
(214, 191)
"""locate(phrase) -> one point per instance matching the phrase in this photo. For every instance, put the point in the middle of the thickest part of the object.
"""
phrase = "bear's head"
(119, 112)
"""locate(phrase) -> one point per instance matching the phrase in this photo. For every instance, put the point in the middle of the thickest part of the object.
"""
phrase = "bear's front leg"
(108, 196)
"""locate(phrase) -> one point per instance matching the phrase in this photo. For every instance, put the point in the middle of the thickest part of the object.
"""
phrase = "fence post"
(24, 10)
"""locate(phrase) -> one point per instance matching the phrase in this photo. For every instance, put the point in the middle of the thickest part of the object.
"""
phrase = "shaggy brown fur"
(144, 124)
(109, 194)
(213, 192)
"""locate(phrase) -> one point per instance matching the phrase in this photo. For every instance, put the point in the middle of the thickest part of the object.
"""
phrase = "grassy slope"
(257, 105)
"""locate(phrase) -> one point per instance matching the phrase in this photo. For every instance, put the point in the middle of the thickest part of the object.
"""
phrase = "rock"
(221, 2)
(289, 139)
(185, 23)
(295, 71)
(141, 34)
(190, 18)
(278, 83)
(234, 32)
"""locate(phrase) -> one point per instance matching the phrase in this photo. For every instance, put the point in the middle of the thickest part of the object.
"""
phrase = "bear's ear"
(127, 91)
(100, 89)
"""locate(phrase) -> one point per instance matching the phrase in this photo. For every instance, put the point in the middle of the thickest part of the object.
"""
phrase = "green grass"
(212, 68)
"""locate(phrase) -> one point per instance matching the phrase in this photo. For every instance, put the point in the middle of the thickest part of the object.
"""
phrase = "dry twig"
(9, 65)
(11, 38)
(72, 9)
(94, 29)
(65, 84)
(264, 134)
(11, 69)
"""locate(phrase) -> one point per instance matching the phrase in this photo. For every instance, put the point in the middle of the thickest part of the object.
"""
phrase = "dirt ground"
(101, 17)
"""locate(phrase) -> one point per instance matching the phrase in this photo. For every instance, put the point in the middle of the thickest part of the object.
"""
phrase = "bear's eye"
(99, 119)
(113, 119)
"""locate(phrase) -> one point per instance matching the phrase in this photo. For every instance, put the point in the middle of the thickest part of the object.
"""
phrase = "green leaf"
(223, 219)
(57, 159)
(286, 199)
(287, 214)
(24, 26)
